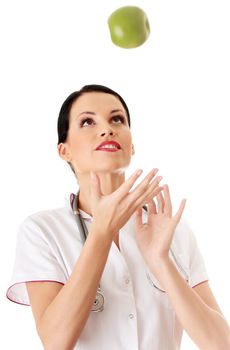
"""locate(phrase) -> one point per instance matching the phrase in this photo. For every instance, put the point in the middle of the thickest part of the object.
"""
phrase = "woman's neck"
(109, 182)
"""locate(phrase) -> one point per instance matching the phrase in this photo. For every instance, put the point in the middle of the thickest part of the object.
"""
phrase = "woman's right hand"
(111, 212)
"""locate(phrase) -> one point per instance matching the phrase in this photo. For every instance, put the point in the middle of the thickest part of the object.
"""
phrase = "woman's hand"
(154, 237)
(111, 212)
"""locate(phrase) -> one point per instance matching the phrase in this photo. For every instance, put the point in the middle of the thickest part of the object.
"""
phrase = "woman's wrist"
(158, 264)
(104, 234)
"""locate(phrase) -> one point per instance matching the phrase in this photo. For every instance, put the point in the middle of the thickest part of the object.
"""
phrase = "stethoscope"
(98, 304)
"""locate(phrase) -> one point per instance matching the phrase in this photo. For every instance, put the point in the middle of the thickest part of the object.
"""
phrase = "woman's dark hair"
(63, 119)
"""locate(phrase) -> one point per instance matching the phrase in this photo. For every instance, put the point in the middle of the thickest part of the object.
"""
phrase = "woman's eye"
(118, 119)
(86, 122)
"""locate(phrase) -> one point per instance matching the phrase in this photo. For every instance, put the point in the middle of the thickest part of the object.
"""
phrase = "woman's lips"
(109, 146)
(108, 149)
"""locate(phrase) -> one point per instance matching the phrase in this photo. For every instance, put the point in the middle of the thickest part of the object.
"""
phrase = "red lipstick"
(109, 146)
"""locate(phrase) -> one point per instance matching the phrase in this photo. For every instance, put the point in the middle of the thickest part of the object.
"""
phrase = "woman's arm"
(198, 313)
(61, 311)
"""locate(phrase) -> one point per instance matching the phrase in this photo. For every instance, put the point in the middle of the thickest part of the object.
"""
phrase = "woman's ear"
(133, 150)
(63, 151)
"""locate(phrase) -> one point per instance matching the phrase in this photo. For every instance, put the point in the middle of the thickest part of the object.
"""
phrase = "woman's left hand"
(155, 236)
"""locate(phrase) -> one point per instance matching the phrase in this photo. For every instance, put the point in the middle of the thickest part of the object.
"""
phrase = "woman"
(139, 269)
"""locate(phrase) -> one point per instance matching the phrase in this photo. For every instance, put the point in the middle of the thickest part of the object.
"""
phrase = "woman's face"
(97, 117)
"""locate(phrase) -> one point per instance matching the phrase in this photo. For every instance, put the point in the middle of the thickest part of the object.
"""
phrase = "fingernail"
(139, 172)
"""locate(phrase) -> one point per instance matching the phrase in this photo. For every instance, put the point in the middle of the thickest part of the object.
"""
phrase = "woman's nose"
(107, 131)
(104, 133)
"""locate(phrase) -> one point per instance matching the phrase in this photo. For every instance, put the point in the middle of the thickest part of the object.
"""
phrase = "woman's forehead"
(96, 102)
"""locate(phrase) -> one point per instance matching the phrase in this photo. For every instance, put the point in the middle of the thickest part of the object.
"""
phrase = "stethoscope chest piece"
(98, 304)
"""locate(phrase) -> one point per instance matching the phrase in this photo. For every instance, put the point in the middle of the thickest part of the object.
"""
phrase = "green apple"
(129, 27)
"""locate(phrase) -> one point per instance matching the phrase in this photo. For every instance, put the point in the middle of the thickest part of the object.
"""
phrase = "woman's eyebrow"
(117, 110)
(85, 112)
(93, 113)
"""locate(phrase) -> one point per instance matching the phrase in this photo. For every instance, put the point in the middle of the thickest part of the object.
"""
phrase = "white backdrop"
(177, 88)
